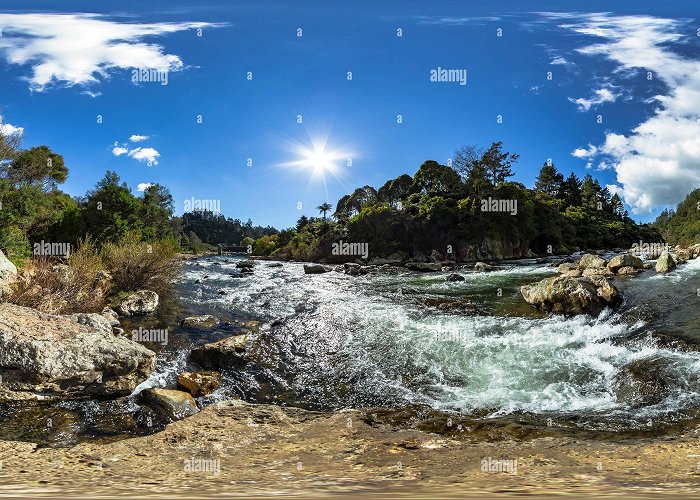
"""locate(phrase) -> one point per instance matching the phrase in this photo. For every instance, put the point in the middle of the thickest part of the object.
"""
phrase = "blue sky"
(64, 64)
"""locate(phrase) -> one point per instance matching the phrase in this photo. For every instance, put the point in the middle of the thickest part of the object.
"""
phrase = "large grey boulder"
(139, 303)
(665, 262)
(50, 355)
(8, 274)
(93, 320)
(564, 295)
(590, 260)
(625, 260)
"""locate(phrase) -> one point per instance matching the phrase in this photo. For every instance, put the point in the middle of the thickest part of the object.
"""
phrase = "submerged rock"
(625, 260)
(641, 383)
(223, 353)
(483, 266)
(589, 260)
(561, 294)
(57, 356)
(665, 262)
(454, 277)
(205, 322)
(315, 269)
(174, 405)
(424, 266)
(139, 303)
(199, 383)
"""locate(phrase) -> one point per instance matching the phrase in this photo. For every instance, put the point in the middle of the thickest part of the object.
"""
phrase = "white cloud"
(600, 96)
(657, 161)
(560, 61)
(9, 129)
(82, 49)
(138, 138)
(585, 153)
(119, 150)
(147, 155)
(143, 186)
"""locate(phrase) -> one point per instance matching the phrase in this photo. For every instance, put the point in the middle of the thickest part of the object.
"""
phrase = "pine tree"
(549, 181)
(571, 191)
(497, 163)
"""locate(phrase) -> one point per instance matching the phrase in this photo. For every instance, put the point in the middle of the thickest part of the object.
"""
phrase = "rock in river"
(625, 260)
(199, 383)
(454, 277)
(590, 260)
(223, 353)
(315, 269)
(642, 382)
(665, 263)
(205, 322)
(139, 303)
(566, 295)
(57, 356)
(174, 405)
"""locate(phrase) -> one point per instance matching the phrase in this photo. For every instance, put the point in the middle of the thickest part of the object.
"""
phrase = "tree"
(466, 159)
(38, 166)
(323, 208)
(433, 178)
(353, 204)
(112, 210)
(156, 212)
(571, 191)
(590, 192)
(549, 180)
(616, 205)
(395, 190)
(497, 163)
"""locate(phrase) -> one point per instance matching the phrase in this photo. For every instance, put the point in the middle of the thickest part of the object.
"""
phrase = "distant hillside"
(682, 226)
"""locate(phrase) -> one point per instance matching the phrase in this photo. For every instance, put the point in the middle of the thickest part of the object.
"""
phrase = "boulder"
(574, 273)
(454, 277)
(174, 405)
(642, 382)
(665, 262)
(92, 320)
(424, 266)
(205, 322)
(596, 271)
(483, 266)
(565, 295)
(223, 353)
(567, 267)
(8, 274)
(683, 255)
(627, 270)
(58, 357)
(315, 269)
(591, 261)
(139, 303)
(245, 264)
(625, 260)
(111, 316)
(199, 383)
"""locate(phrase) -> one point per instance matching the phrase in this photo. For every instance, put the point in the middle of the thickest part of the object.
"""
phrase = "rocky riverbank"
(238, 449)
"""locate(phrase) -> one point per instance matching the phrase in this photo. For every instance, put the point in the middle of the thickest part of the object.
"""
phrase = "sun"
(318, 158)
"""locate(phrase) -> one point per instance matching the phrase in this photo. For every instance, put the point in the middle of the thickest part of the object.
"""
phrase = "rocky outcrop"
(174, 405)
(591, 261)
(139, 303)
(205, 322)
(625, 260)
(315, 269)
(223, 353)
(199, 383)
(665, 262)
(92, 320)
(571, 296)
(59, 356)
(8, 274)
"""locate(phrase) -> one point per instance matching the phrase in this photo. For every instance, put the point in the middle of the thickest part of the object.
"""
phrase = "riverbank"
(265, 450)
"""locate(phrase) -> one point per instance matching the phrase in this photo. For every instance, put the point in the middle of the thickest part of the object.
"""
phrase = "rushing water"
(405, 340)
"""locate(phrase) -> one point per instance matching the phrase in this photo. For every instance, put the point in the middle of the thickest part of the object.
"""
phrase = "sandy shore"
(233, 449)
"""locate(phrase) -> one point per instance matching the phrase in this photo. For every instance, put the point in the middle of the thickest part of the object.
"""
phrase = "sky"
(271, 108)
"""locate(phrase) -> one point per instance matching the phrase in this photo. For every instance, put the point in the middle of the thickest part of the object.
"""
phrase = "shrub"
(137, 265)
(80, 284)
